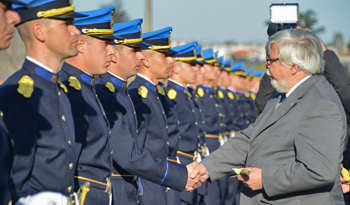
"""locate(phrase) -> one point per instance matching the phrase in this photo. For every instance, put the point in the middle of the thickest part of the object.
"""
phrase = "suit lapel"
(273, 116)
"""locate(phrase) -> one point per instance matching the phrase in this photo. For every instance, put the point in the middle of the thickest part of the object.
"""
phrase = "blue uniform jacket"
(91, 131)
(173, 123)
(128, 158)
(42, 128)
(235, 112)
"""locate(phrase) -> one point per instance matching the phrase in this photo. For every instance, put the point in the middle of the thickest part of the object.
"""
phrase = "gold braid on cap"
(65, 11)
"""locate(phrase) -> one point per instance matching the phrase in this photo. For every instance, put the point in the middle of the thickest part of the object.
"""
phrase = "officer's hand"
(44, 198)
(201, 171)
(192, 182)
(253, 181)
(345, 186)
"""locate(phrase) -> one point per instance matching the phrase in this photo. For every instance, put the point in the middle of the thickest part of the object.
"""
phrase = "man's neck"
(79, 63)
(150, 76)
(48, 59)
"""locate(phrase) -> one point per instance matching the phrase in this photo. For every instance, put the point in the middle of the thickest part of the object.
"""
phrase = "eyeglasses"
(271, 60)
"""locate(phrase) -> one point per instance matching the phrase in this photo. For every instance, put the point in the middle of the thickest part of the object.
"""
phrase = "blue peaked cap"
(249, 72)
(238, 69)
(36, 9)
(228, 62)
(220, 62)
(159, 40)
(258, 74)
(129, 33)
(98, 23)
(209, 56)
(186, 53)
(19, 2)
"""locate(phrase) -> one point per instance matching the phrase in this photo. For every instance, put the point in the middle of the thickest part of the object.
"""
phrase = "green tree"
(120, 15)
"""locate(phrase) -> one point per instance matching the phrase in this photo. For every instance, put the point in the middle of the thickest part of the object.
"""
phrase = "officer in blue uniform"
(35, 107)
(250, 96)
(6, 152)
(151, 118)
(213, 118)
(129, 160)
(183, 74)
(92, 130)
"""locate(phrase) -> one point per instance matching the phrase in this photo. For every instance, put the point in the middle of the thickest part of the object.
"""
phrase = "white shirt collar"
(176, 82)
(230, 88)
(296, 85)
(115, 76)
(144, 77)
(39, 64)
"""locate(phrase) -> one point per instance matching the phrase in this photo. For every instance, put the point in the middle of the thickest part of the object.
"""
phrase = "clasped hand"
(197, 174)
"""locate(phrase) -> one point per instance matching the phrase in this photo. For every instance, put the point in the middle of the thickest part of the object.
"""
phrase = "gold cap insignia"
(26, 86)
(200, 92)
(160, 90)
(143, 91)
(172, 94)
(110, 86)
(74, 82)
(221, 94)
(63, 86)
(252, 96)
(230, 95)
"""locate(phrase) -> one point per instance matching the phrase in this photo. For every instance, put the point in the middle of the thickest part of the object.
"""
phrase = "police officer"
(33, 103)
(183, 74)
(151, 118)
(129, 160)
(94, 165)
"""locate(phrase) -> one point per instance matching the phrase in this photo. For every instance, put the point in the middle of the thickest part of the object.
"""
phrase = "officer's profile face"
(8, 19)
(129, 60)
(162, 64)
(187, 72)
(98, 54)
(201, 75)
(61, 36)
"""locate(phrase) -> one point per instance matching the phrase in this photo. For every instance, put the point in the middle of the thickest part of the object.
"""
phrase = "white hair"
(299, 47)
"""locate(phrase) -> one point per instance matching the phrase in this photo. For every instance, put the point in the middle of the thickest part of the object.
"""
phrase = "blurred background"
(235, 28)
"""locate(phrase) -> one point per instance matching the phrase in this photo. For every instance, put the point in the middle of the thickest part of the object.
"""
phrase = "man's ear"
(176, 68)
(81, 45)
(38, 30)
(146, 61)
(294, 69)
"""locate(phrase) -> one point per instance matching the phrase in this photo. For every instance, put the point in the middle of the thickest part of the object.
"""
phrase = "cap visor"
(19, 2)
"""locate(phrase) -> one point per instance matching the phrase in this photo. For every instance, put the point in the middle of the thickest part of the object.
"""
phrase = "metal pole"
(148, 19)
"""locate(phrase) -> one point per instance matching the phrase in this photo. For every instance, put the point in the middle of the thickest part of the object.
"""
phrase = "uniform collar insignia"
(47, 75)
(118, 82)
(150, 86)
(182, 89)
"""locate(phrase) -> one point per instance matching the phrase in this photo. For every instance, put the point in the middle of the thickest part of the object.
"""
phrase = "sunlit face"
(129, 60)
(62, 37)
(187, 72)
(98, 55)
(8, 19)
(211, 73)
(162, 65)
(277, 71)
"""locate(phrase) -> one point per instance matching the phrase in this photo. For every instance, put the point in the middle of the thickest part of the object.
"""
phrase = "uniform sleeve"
(20, 116)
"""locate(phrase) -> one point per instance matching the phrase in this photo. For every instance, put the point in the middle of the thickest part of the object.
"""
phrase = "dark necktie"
(283, 97)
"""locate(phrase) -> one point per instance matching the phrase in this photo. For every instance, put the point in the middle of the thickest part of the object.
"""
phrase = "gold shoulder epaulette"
(252, 96)
(62, 86)
(110, 86)
(74, 82)
(160, 90)
(221, 94)
(230, 95)
(26, 86)
(143, 91)
(172, 94)
(200, 92)
(247, 95)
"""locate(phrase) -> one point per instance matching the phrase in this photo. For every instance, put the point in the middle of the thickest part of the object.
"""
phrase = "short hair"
(300, 47)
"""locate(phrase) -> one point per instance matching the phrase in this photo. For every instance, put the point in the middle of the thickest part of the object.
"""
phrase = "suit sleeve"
(264, 93)
(318, 145)
(230, 155)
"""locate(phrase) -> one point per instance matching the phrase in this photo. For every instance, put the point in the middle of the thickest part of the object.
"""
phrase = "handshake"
(197, 174)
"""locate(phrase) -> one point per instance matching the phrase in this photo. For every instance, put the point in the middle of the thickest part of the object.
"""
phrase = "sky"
(240, 21)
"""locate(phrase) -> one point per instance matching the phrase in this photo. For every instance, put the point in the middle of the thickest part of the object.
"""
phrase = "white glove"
(44, 198)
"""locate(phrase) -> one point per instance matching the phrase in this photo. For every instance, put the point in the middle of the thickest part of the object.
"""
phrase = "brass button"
(63, 118)
(104, 113)
(167, 143)
(196, 123)
(112, 152)
(163, 112)
(166, 127)
(13, 143)
(69, 189)
(179, 137)
(134, 113)
(200, 110)
(70, 166)
(216, 105)
(166, 191)
(247, 122)
(192, 110)
(59, 94)
(178, 122)
(199, 136)
(137, 131)
(69, 143)
(109, 133)
(1, 114)
(96, 95)
(203, 122)
(157, 98)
